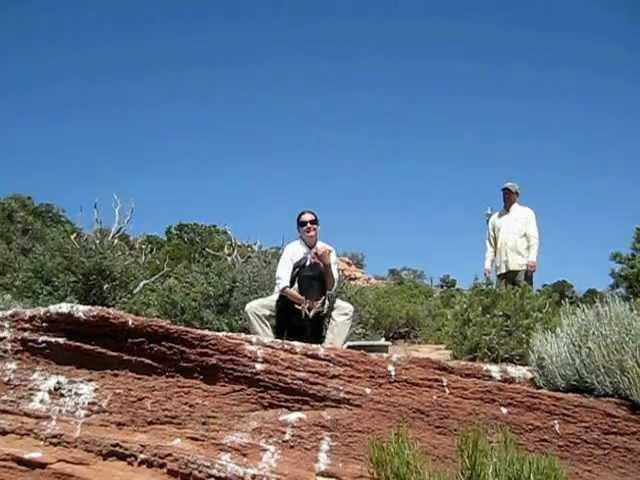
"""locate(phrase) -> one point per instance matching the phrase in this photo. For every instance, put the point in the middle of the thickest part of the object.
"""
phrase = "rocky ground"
(91, 393)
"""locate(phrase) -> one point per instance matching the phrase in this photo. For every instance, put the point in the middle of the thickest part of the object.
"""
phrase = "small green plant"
(481, 456)
(595, 350)
(397, 458)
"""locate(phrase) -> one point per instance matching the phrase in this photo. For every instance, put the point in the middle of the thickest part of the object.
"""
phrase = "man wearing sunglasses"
(262, 311)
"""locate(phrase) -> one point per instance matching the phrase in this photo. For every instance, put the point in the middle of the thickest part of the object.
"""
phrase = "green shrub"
(595, 350)
(482, 323)
(496, 325)
(626, 277)
(394, 310)
(481, 456)
(210, 293)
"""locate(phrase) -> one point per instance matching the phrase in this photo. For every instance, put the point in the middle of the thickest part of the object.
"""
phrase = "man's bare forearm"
(293, 295)
(329, 280)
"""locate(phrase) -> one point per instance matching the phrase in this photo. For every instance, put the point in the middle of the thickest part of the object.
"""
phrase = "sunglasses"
(304, 223)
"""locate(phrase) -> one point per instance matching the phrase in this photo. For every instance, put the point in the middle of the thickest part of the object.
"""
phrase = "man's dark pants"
(515, 278)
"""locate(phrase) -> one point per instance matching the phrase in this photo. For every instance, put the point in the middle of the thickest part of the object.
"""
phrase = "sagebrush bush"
(481, 456)
(7, 302)
(595, 350)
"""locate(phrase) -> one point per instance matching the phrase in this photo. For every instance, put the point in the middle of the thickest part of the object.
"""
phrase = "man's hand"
(310, 308)
(323, 255)
(531, 266)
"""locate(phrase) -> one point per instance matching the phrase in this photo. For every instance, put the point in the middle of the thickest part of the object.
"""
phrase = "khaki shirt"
(512, 239)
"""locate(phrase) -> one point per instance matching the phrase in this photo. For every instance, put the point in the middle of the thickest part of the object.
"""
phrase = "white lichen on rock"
(8, 370)
(58, 395)
(269, 460)
(31, 455)
(68, 308)
(47, 339)
(5, 337)
(290, 420)
(494, 371)
(392, 371)
(324, 460)
(237, 438)
(517, 372)
(445, 385)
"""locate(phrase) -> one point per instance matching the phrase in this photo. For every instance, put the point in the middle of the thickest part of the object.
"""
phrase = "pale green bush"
(595, 350)
(7, 302)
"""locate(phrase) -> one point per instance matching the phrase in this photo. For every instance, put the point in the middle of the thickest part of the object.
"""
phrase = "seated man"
(262, 311)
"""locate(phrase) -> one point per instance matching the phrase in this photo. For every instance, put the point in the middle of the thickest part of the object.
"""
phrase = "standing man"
(512, 241)
(262, 311)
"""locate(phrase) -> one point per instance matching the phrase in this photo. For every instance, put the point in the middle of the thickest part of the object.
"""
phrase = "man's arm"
(327, 257)
(534, 242)
(490, 251)
(283, 277)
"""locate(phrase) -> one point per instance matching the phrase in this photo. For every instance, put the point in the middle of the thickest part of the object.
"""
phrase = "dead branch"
(97, 221)
(120, 226)
(146, 282)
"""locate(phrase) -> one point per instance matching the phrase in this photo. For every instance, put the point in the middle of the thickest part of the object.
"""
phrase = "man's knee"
(250, 307)
(343, 308)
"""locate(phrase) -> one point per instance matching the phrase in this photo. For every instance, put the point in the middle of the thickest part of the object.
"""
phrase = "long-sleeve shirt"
(512, 239)
(292, 253)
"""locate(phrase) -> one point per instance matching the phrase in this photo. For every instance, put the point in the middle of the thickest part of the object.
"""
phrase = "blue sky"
(396, 121)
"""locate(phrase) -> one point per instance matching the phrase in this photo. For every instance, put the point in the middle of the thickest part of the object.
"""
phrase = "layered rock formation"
(351, 273)
(92, 393)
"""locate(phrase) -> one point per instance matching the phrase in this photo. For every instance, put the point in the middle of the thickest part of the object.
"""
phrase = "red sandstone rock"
(92, 393)
(353, 274)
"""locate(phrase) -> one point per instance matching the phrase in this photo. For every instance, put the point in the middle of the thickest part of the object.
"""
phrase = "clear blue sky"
(396, 121)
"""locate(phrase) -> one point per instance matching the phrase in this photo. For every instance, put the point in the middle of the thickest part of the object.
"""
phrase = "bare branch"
(116, 212)
(208, 250)
(120, 226)
(143, 283)
(97, 221)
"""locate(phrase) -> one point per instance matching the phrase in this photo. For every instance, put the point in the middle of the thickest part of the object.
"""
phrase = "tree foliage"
(626, 277)
(406, 274)
(560, 292)
(357, 258)
(197, 275)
